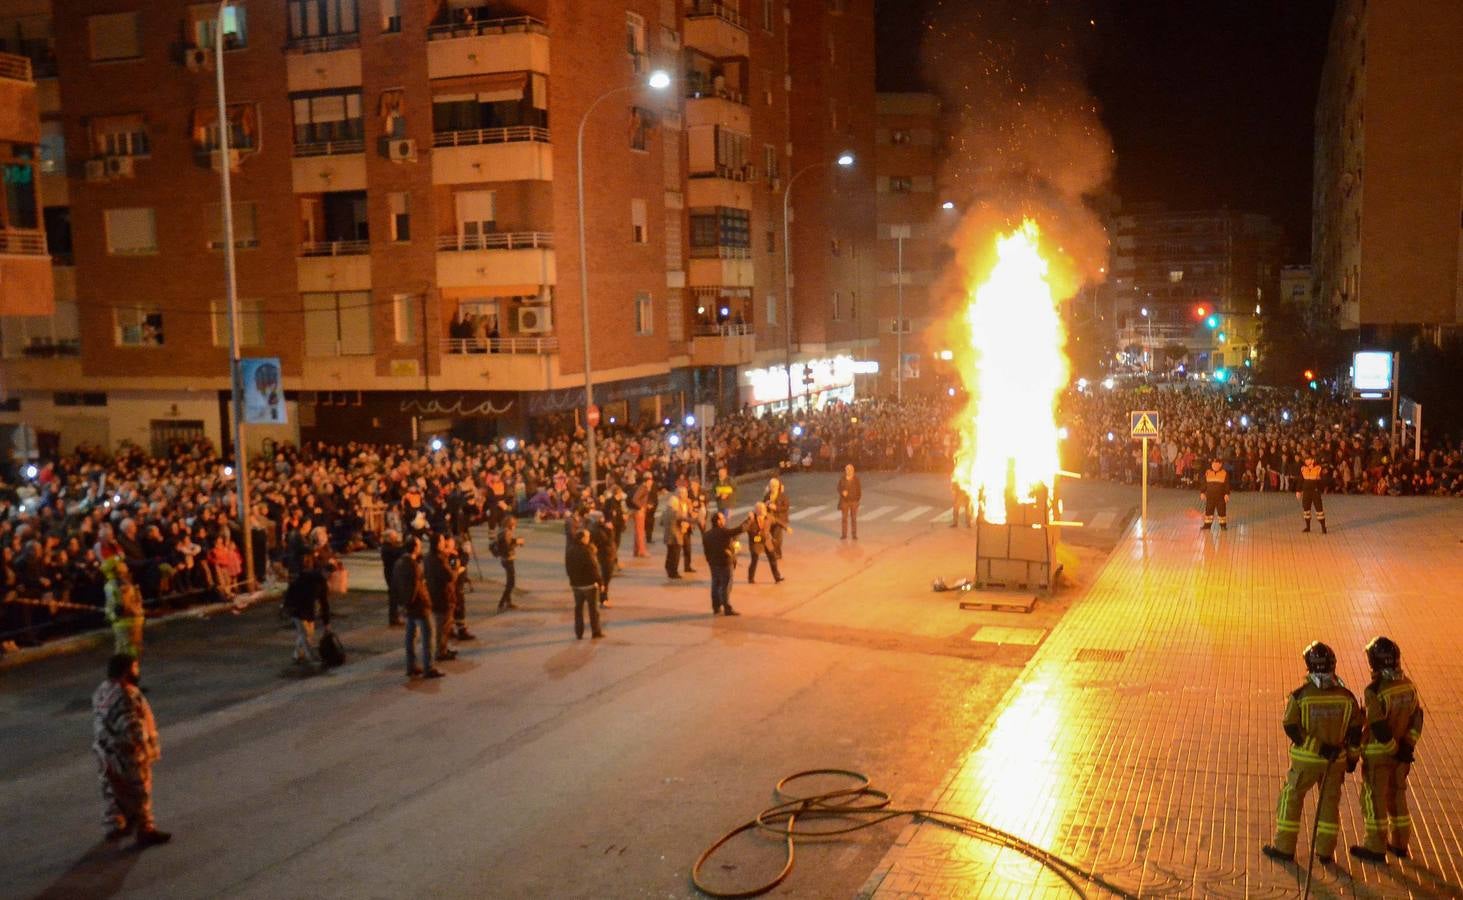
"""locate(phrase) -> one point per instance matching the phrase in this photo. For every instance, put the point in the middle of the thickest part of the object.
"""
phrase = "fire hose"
(868, 806)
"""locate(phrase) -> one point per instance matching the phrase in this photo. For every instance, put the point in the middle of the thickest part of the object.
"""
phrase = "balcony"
(725, 108)
(518, 44)
(329, 165)
(334, 248)
(726, 344)
(720, 267)
(324, 43)
(19, 113)
(334, 266)
(531, 345)
(22, 242)
(715, 29)
(723, 187)
(520, 259)
(27, 285)
(515, 153)
(331, 62)
(520, 364)
(15, 68)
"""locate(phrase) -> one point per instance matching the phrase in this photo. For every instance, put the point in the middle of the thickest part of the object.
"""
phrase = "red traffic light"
(1309, 375)
(1200, 312)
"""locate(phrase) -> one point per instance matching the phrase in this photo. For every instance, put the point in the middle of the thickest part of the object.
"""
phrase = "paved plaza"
(1143, 740)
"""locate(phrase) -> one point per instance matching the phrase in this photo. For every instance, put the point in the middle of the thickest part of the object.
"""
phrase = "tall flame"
(1013, 368)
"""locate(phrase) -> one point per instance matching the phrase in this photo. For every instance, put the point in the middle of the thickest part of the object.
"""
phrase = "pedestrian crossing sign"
(1144, 423)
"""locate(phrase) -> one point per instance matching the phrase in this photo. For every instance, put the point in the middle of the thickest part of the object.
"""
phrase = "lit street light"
(659, 80)
(845, 160)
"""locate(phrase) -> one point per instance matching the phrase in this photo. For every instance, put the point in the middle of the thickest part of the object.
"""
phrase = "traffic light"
(1212, 321)
(808, 375)
(1200, 312)
(1221, 375)
(1309, 375)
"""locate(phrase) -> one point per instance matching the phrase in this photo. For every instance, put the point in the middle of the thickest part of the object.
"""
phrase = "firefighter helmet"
(1320, 659)
(1383, 653)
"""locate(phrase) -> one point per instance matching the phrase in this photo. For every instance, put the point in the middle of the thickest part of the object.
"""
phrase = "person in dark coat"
(759, 527)
(391, 550)
(850, 493)
(441, 576)
(582, 567)
(506, 546)
(603, 541)
(307, 600)
(410, 585)
(719, 544)
(779, 508)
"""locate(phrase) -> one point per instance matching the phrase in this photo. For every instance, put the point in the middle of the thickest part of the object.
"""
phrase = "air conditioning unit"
(215, 160)
(401, 150)
(535, 319)
(96, 170)
(119, 166)
(198, 59)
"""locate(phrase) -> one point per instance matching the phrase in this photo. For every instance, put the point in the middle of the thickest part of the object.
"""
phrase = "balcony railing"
(335, 248)
(324, 43)
(23, 243)
(497, 240)
(701, 9)
(331, 148)
(16, 68)
(473, 136)
(48, 348)
(511, 25)
(720, 252)
(708, 92)
(723, 329)
(529, 345)
(732, 173)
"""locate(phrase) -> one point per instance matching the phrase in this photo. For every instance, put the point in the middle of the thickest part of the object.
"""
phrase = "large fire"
(1013, 367)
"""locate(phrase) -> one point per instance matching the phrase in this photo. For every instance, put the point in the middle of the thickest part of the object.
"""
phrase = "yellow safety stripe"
(1300, 754)
(1373, 748)
(1286, 826)
(1402, 821)
(1328, 828)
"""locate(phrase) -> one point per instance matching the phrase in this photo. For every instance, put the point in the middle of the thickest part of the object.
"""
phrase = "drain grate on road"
(1097, 654)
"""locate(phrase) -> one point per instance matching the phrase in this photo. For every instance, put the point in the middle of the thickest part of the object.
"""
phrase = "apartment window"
(635, 41)
(53, 147)
(315, 19)
(338, 324)
(853, 304)
(114, 36)
(392, 113)
(131, 231)
(327, 119)
(251, 322)
(1175, 276)
(119, 136)
(837, 307)
(769, 84)
(899, 136)
(74, 398)
(771, 241)
(476, 217)
(771, 309)
(139, 326)
(719, 227)
(644, 323)
(641, 121)
(334, 222)
(203, 22)
(246, 225)
(637, 221)
(769, 161)
(57, 221)
(405, 314)
(901, 184)
(243, 128)
(391, 16)
(400, 204)
(769, 14)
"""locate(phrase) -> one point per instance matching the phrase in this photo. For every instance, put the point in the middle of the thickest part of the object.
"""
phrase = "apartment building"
(1193, 283)
(913, 227)
(1387, 192)
(406, 210)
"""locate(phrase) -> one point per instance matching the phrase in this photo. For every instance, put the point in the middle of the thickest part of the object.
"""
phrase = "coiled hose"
(869, 806)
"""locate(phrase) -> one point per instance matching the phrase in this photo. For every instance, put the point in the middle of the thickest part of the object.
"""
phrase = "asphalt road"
(542, 766)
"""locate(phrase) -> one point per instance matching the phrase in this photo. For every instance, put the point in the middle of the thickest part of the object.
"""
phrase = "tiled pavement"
(1143, 740)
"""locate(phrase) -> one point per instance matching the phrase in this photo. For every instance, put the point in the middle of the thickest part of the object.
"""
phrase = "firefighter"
(1323, 722)
(1216, 496)
(1393, 726)
(1310, 493)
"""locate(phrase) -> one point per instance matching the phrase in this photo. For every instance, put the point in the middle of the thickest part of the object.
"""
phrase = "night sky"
(1209, 102)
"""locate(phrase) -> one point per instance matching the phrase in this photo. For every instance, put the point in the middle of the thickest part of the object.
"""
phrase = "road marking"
(1104, 519)
(807, 511)
(913, 514)
(830, 517)
(943, 516)
(879, 513)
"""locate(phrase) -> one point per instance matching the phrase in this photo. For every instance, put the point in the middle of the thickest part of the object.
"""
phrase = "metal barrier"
(470, 137)
(527, 345)
(497, 240)
(335, 248)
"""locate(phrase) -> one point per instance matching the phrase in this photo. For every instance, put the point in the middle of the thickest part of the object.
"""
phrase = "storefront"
(815, 384)
(633, 401)
(407, 416)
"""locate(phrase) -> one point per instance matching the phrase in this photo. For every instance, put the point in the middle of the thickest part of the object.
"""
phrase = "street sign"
(1144, 423)
(592, 415)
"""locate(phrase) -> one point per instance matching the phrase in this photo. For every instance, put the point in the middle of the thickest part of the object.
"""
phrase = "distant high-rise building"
(405, 209)
(1388, 188)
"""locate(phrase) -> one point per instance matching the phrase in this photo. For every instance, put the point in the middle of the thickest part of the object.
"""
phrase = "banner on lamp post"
(259, 381)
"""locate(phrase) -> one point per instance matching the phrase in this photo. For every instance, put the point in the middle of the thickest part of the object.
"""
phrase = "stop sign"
(592, 415)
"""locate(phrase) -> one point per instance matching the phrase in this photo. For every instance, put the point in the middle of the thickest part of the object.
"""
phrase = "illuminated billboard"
(1371, 370)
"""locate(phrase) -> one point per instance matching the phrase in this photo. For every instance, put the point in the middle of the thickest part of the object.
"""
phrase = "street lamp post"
(900, 232)
(1152, 352)
(658, 80)
(236, 392)
(845, 160)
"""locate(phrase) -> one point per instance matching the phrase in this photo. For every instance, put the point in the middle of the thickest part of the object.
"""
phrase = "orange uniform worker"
(1323, 722)
(1310, 493)
(1393, 727)
(1216, 496)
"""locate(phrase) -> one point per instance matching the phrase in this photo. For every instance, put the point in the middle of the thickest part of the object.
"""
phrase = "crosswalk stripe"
(808, 511)
(943, 516)
(831, 517)
(1103, 519)
(912, 514)
(876, 514)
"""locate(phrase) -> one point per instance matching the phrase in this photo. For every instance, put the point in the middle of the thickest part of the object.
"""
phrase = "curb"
(87, 640)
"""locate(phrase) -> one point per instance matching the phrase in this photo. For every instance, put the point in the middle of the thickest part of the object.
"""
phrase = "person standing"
(693, 504)
(125, 741)
(1310, 493)
(673, 529)
(306, 599)
(440, 575)
(779, 508)
(1393, 728)
(758, 528)
(123, 608)
(506, 544)
(602, 539)
(584, 579)
(1216, 496)
(850, 492)
(719, 544)
(457, 556)
(391, 551)
(960, 503)
(725, 491)
(642, 506)
(1324, 724)
(410, 585)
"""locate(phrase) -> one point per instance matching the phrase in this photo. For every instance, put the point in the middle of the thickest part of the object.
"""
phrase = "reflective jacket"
(1317, 718)
(1393, 716)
